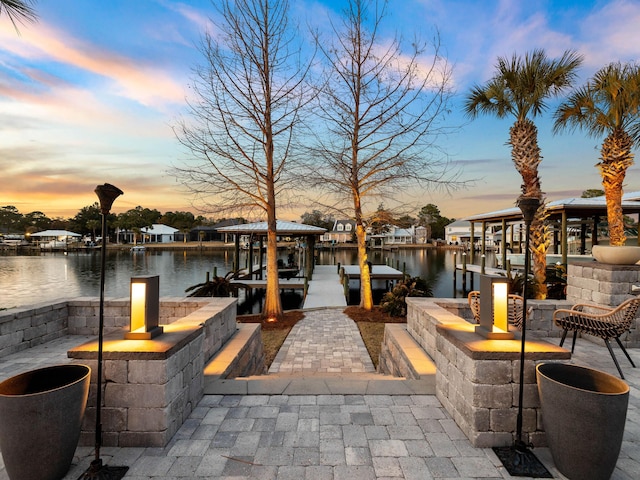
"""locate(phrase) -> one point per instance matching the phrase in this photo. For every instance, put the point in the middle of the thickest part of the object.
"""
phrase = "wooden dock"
(284, 283)
(478, 269)
(468, 269)
(378, 272)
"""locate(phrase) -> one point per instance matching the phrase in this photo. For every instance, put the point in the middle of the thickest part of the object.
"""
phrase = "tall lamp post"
(107, 193)
(529, 207)
(518, 459)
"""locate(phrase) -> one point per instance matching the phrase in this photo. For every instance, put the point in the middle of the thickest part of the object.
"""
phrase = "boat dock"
(468, 269)
(295, 283)
(377, 272)
(328, 285)
(325, 289)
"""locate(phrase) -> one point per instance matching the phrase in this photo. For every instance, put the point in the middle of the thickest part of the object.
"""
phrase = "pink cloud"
(128, 78)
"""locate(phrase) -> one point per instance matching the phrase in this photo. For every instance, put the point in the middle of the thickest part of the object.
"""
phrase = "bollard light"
(145, 308)
(494, 308)
(500, 305)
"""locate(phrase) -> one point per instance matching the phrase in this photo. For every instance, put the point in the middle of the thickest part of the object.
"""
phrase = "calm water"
(29, 279)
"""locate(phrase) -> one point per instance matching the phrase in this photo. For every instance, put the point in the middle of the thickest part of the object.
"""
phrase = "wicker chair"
(603, 322)
(515, 305)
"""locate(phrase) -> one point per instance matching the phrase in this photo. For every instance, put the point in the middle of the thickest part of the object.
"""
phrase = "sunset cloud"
(89, 93)
(125, 76)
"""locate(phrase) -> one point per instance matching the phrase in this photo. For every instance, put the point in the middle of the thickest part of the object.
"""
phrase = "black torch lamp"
(518, 458)
(107, 193)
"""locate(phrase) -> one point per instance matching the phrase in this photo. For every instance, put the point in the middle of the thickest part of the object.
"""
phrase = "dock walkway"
(325, 289)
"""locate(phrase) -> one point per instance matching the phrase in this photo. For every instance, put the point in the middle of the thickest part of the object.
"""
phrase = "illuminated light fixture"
(494, 308)
(145, 308)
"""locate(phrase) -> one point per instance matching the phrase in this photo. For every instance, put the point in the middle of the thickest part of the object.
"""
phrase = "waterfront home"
(157, 233)
(459, 233)
(395, 236)
(343, 231)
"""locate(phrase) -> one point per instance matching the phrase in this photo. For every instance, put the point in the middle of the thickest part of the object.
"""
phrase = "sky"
(89, 95)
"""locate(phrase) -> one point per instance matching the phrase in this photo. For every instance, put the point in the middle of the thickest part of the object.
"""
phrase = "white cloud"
(611, 33)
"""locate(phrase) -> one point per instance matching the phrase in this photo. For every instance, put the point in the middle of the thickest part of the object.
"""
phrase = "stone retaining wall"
(477, 380)
(152, 386)
(22, 328)
(539, 324)
(84, 313)
(606, 285)
(26, 327)
(401, 356)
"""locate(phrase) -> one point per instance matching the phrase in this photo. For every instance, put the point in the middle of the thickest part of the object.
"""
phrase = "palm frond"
(18, 11)
(521, 86)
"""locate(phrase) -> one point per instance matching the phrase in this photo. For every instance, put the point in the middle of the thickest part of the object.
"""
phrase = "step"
(320, 384)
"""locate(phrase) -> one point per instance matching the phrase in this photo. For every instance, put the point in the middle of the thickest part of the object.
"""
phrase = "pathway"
(324, 341)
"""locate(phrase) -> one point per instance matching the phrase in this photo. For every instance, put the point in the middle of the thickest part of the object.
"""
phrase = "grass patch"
(371, 325)
(372, 335)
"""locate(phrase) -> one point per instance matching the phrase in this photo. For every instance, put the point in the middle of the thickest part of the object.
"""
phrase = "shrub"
(394, 303)
(218, 287)
(556, 283)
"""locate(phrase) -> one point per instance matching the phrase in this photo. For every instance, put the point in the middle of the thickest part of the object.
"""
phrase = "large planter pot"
(40, 420)
(583, 414)
(616, 255)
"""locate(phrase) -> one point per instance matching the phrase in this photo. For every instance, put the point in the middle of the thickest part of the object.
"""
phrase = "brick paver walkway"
(324, 341)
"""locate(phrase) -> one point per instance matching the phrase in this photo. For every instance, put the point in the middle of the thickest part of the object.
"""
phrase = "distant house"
(459, 233)
(343, 231)
(209, 233)
(158, 233)
(400, 236)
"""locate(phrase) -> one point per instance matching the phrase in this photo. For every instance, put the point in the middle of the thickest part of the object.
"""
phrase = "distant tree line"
(88, 220)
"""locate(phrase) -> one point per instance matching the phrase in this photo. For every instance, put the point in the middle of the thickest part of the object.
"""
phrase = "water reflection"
(29, 279)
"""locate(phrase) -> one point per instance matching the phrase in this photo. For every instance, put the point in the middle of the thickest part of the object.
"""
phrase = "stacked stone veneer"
(22, 328)
(477, 380)
(539, 323)
(606, 285)
(152, 386)
(26, 327)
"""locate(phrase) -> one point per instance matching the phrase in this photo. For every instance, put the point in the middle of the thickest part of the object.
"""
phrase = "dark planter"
(40, 419)
(583, 413)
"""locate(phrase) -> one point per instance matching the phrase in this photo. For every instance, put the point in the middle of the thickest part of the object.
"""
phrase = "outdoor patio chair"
(515, 308)
(603, 322)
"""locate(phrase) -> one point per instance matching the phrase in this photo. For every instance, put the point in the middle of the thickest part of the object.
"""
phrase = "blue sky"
(89, 94)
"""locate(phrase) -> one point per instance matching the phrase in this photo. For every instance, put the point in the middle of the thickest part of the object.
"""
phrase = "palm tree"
(18, 11)
(608, 104)
(521, 88)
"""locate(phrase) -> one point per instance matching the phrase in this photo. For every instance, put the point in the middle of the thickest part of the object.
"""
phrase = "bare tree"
(248, 101)
(381, 108)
